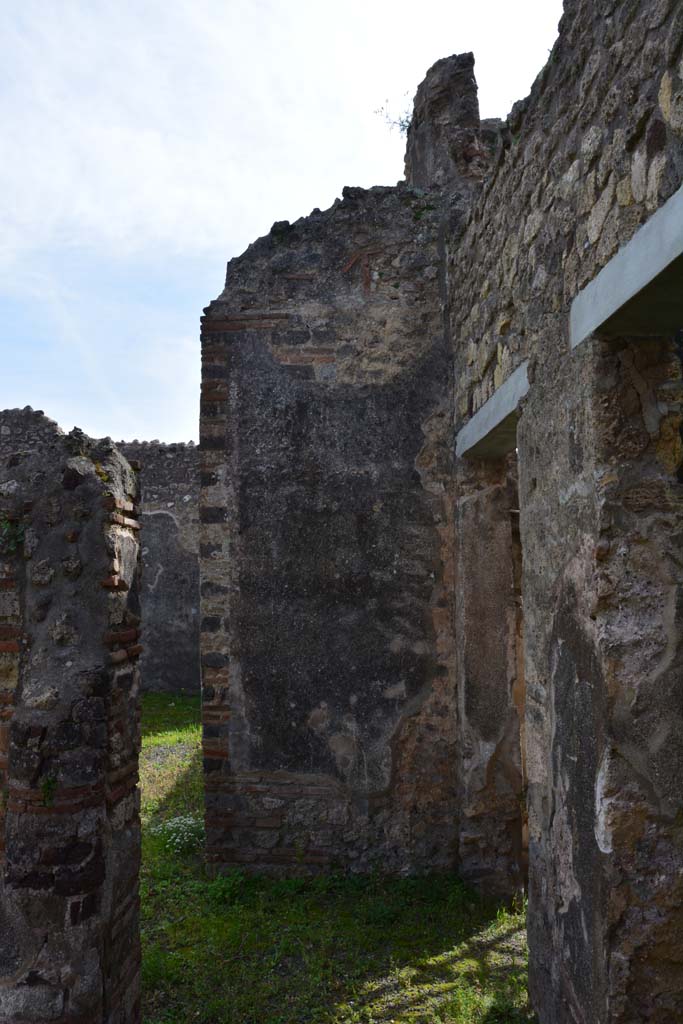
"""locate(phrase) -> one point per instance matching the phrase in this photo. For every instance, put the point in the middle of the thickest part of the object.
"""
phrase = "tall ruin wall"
(594, 151)
(169, 592)
(69, 727)
(326, 545)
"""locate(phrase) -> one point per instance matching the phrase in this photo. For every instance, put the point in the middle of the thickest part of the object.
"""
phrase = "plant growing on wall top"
(401, 121)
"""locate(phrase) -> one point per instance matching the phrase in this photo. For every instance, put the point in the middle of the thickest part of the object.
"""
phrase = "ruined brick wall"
(69, 729)
(326, 544)
(169, 505)
(592, 153)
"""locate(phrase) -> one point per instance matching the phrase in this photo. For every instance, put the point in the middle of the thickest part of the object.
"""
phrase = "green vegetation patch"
(328, 950)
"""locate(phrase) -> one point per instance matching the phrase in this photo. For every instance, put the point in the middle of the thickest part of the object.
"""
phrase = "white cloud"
(141, 133)
(194, 124)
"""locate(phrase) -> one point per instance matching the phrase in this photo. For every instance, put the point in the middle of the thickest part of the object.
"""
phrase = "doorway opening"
(490, 644)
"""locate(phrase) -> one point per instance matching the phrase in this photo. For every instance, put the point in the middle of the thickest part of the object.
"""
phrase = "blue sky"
(147, 142)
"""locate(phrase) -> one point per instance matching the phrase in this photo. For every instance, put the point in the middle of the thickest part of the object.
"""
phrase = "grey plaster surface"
(492, 430)
(640, 290)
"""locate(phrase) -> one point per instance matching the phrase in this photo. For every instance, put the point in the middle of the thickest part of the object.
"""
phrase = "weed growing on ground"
(181, 835)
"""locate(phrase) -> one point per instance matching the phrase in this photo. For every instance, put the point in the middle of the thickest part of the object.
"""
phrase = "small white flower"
(182, 835)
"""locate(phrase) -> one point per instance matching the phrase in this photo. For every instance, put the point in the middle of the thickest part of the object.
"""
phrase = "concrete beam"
(492, 431)
(640, 290)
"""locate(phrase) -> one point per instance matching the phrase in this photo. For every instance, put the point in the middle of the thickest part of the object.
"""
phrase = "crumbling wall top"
(446, 146)
(20, 427)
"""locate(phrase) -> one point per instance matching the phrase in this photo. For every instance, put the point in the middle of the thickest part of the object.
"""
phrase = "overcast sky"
(148, 141)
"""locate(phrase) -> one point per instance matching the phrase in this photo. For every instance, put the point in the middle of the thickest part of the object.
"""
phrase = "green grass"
(170, 762)
(331, 950)
(167, 720)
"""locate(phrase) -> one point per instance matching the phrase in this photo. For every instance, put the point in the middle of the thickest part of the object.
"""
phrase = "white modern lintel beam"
(492, 431)
(640, 290)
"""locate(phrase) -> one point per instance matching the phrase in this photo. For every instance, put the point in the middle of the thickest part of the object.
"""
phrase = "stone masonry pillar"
(69, 728)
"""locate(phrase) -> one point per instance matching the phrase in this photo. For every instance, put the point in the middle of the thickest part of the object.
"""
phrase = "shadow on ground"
(330, 950)
(238, 950)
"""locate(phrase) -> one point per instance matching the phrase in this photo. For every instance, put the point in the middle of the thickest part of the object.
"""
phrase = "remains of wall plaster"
(169, 595)
(594, 150)
(327, 545)
(69, 730)
(490, 679)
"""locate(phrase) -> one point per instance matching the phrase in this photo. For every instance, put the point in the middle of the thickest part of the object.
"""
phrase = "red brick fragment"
(243, 323)
(123, 636)
(113, 504)
(119, 520)
(114, 582)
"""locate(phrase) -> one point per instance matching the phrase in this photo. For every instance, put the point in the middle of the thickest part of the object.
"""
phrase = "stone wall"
(328, 539)
(169, 503)
(587, 158)
(69, 729)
